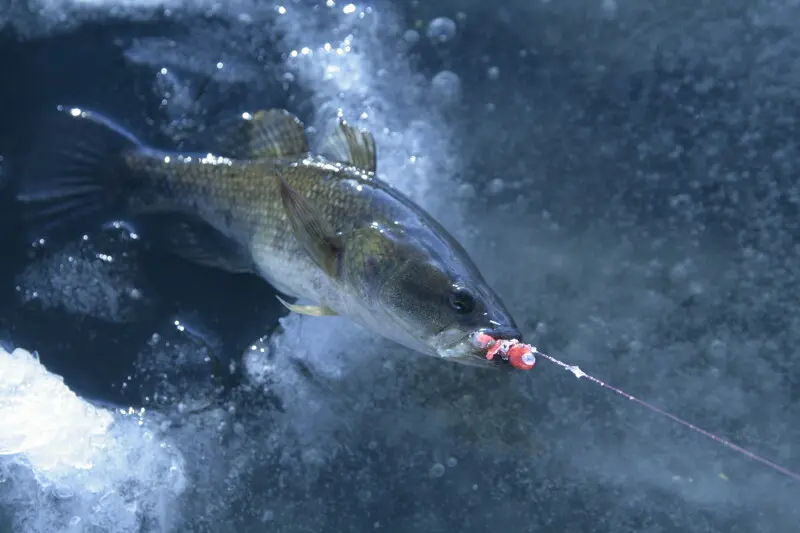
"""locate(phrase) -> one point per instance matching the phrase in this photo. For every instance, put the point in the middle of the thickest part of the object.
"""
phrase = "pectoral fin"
(310, 310)
(311, 230)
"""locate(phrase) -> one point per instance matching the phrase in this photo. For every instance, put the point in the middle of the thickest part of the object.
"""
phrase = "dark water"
(627, 178)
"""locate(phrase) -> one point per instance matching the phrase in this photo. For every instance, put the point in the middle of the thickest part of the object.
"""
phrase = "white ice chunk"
(108, 465)
(42, 419)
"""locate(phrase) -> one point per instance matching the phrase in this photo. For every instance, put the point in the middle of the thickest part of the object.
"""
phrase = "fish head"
(427, 294)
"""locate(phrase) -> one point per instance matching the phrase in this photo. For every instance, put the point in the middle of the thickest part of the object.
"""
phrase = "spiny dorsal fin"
(265, 134)
(275, 133)
(349, 145)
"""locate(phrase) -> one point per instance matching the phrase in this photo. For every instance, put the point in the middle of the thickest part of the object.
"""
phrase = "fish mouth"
(467, 351)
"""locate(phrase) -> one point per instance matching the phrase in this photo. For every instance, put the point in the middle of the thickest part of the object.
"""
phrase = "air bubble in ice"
(717, 348)
(437, 470)
(446, 86)
(681, 271)
(496, 186)
(441, 30)
(411, 36)
(610, 7)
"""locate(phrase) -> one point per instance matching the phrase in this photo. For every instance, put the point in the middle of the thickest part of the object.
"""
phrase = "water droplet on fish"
(441, 30)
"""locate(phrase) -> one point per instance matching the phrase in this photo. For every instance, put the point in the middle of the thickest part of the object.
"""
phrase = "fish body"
(321, 228)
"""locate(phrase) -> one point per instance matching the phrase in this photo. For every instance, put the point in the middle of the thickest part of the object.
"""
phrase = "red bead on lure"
(517, 354)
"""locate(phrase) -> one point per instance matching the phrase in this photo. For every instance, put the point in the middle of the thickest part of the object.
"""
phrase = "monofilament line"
(581, 374)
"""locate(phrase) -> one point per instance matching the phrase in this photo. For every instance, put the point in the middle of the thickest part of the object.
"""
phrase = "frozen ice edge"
(106, 465)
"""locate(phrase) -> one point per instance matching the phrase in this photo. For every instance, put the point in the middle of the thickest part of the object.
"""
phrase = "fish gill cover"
(623, 172)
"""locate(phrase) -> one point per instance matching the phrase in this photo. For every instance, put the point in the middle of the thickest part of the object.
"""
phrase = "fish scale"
(241, 199)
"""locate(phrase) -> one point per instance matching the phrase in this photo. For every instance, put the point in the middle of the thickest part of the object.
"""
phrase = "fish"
(322, 228)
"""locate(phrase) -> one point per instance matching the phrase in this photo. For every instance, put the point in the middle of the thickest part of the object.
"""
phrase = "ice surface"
(96, 276)
(105, 469)
(623, 180)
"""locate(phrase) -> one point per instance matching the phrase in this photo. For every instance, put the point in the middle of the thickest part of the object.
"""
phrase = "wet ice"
(97, 275)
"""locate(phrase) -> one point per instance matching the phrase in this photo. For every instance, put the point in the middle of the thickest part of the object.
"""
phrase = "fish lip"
(465, 350)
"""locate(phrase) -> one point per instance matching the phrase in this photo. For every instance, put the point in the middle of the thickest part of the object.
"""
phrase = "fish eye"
(462, 301)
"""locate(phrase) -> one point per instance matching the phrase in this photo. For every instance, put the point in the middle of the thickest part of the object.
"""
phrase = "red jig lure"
(517, 354)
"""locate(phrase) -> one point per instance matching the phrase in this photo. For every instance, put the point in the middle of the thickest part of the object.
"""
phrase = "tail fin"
(74, 177)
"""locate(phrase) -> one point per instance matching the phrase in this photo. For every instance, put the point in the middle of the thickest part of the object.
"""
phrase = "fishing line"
(744, 451)
(523, 357)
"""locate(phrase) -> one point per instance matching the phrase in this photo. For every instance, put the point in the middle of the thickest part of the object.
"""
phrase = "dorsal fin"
(351, 146)
(265, 134)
